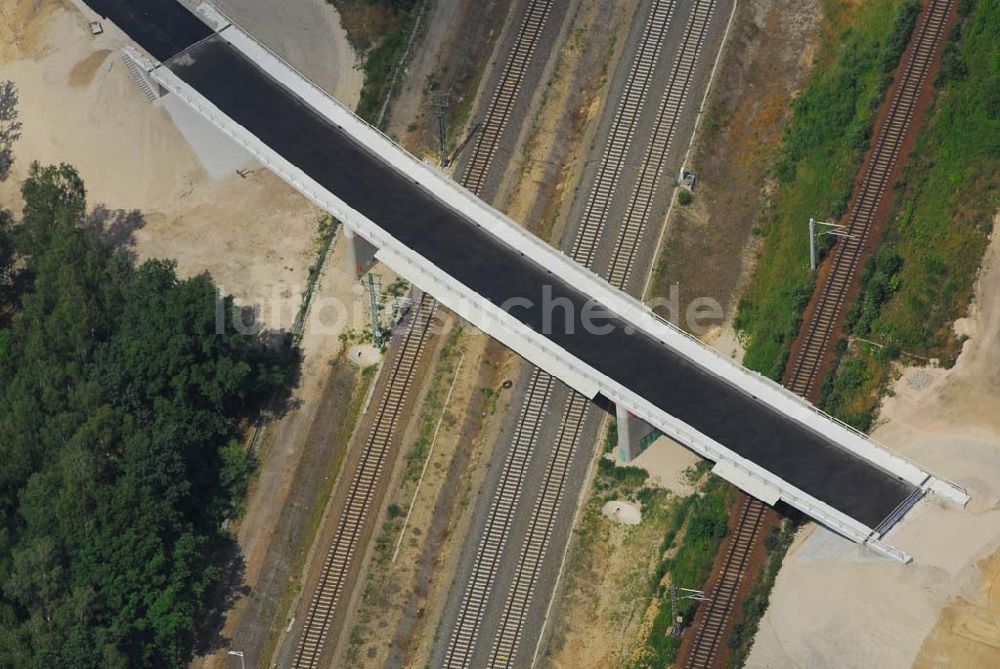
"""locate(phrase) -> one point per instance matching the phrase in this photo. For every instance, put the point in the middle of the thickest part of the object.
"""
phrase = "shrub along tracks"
(812, 353)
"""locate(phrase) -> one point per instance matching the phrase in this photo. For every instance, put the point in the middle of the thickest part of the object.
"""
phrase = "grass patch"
(677, 541)
(923, 277)
(949, 195)
(822, 151)
(379, 31)
(689, 549)
(852, 388)
(444, 374)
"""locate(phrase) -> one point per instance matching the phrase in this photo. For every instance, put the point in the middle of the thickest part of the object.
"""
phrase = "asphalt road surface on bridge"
(473, 257)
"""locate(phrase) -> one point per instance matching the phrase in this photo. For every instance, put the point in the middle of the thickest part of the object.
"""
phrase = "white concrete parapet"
(532, 345)
(543, 254)
(500, 325)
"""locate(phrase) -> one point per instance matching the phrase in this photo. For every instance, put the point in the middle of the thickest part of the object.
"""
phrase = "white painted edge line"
(544, 255)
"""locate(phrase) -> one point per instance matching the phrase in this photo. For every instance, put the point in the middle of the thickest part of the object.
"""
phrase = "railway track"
(626, 119)
(506, 95)
(828, 316)
(367, 477)
(806, 368)
(723, 594)
(521, 593)
(623, 262)
(363, 489)
(489, 552)
(504, 648)
(651, 171)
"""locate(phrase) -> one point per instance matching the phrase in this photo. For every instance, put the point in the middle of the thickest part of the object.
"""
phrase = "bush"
(952, 68)
(745, 629)
(824, 143)
(633, 477)
(879, 280)
(684, 197)
(705, 515)
(902, 28)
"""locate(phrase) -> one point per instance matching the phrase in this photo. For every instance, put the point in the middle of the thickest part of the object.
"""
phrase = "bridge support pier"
(633, 434)
(360, 252)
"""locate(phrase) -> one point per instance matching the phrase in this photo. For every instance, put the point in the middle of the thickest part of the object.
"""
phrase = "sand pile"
(622, 512)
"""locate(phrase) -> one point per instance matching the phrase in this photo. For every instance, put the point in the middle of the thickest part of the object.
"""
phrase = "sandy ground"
(943, 610)
(255, 235)
(79, 105)
(622, 512)
(309, 36)
(667, 463)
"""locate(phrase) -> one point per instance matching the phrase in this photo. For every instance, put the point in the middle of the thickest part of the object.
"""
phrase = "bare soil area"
(309, 35)
(452, 53)
(80, 106)
(301, 456)
(941, 610)
(709, 243)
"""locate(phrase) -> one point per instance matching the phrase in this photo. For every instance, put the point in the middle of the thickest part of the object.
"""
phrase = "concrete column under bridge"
(360, 252)
(634, 434)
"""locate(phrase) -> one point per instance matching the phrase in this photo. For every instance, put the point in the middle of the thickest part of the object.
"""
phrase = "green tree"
(120, 455)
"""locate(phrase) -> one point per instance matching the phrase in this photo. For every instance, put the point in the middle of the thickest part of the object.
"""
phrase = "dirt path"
(940, 610)
(451, 55)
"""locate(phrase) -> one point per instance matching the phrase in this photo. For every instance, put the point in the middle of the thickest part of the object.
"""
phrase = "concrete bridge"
(485, 267)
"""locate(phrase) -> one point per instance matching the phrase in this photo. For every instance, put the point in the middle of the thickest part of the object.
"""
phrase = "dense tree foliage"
(119, 456)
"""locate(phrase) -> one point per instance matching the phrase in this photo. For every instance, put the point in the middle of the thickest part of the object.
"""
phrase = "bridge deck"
(465, 251)
(161, 27)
